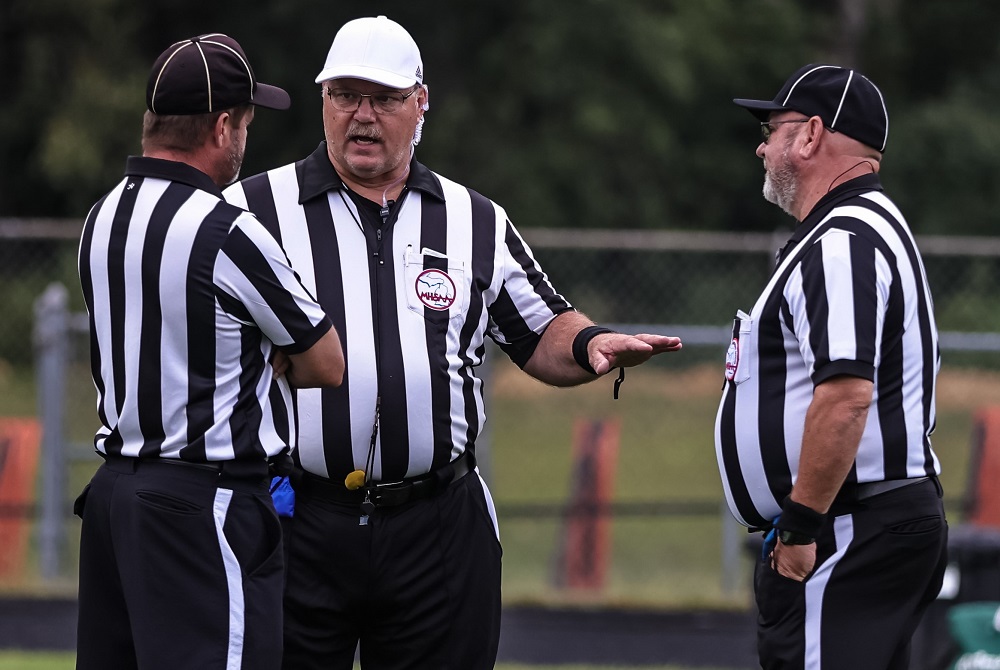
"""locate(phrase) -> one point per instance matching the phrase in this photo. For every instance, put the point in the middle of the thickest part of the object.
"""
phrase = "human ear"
(221, 129)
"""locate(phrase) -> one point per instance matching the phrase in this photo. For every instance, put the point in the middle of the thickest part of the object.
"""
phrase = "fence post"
(732, 533)
(51, 356)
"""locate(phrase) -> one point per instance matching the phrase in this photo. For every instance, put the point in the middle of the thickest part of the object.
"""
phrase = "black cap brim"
(762, 109)
(271, 97)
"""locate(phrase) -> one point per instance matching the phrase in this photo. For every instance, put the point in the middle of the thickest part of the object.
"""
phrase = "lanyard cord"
(350, 211)
(370, 461)
(367, 506)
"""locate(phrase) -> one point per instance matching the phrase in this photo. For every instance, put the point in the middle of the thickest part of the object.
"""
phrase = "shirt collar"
(846, 191)
(158, 168)
(317, 176)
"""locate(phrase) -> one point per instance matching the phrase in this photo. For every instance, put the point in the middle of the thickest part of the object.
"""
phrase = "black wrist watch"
(791, 537)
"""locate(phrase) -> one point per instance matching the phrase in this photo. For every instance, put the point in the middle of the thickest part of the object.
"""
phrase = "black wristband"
(580, 343)
(791, 537)
(799, 519)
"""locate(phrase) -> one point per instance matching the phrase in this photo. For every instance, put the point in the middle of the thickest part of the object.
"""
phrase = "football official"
(189, 300)
(823, 432)
(394, 543)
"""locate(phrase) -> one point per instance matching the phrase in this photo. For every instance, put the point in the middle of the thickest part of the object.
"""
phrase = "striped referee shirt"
(849, 296)
(413, 296)
(186, 294)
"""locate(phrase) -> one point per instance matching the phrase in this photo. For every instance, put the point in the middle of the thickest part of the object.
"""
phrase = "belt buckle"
(382, 492)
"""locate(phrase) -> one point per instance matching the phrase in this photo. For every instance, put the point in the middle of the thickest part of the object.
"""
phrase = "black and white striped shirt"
(849, 297)
(186, 294)
(413, 300)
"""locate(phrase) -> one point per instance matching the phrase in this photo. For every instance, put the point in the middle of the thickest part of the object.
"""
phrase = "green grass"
(24, 660)
(666, 453)
(17, 660)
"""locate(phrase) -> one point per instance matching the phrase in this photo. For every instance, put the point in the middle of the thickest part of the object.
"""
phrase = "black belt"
(220, 473)
(859, 492)
(388, 494)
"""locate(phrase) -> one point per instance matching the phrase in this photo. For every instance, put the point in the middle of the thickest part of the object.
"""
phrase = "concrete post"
(51, 356)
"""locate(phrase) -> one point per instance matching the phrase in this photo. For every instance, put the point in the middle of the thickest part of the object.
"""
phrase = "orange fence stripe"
(19, 446)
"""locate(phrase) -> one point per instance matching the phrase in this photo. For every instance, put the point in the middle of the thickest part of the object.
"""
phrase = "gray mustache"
(363, 130)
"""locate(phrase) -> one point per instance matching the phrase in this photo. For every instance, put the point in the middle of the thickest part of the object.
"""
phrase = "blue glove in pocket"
(283, 496)
(769, 540)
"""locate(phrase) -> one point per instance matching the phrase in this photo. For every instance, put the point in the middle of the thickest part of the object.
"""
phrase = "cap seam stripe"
(804, 75)
(159, 74)
(843, 96)
(246, 65)
(208, 75)
(885, 113)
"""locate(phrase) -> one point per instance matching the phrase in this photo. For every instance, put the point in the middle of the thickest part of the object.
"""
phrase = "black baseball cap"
(846, 100)
(207, 74)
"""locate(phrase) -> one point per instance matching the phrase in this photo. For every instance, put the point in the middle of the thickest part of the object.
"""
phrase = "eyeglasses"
(766, 129)
(383, 102)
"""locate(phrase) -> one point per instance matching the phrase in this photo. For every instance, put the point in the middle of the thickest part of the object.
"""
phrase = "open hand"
(609, 350)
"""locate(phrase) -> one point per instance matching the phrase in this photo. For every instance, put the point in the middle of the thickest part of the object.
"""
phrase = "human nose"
(361, 111)
(760, 150)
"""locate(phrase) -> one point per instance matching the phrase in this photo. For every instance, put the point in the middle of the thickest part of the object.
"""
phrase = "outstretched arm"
(553, 361)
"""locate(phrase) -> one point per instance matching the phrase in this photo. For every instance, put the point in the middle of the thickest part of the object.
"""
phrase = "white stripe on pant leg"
(489, 504)
(843, 532)
(234, 578)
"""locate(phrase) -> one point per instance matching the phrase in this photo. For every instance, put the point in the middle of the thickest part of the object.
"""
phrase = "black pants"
(879, 565)
(417, 586)
(178, 569)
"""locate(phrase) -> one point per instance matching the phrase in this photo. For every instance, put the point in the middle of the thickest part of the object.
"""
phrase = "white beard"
(781, 183)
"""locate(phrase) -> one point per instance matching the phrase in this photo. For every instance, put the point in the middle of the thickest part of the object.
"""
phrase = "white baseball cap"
(374, 49)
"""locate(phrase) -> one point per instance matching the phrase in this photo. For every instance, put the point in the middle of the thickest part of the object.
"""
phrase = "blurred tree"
(68, 117)
(599, 113)
(941, 66)
(616, 114)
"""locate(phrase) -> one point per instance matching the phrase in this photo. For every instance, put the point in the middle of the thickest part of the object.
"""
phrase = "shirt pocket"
(436, 286)
(737, 358)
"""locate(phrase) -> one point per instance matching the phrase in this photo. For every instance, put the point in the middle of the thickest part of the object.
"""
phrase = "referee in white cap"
(193, 311)
(823, 432)
(394, 545)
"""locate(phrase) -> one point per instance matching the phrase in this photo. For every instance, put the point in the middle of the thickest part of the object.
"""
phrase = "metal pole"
(51, 355)
(732, 531)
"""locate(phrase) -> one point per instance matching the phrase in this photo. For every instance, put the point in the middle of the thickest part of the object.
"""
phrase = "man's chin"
(772, 195)
(769, 192)
(366, 169)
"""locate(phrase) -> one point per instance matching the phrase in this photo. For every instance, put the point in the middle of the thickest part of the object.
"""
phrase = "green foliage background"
(593, 113)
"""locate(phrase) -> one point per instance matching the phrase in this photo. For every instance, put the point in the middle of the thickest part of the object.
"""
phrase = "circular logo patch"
(732, 359)
(435, 289)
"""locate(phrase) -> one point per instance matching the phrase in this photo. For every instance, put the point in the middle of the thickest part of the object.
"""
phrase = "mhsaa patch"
(733, 358)
(435, 289)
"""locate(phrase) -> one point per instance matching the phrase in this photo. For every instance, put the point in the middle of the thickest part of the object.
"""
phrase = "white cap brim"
(376, 75)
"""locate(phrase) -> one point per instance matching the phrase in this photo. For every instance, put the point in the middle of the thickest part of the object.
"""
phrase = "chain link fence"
(661, 534)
